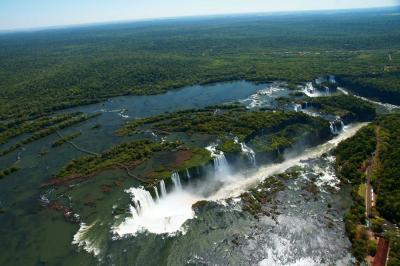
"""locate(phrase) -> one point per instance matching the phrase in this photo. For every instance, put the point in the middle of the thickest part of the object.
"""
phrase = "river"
(34, 235)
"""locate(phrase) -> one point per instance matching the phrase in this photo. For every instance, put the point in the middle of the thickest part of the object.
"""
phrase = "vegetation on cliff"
(348, 107)
(265, 130)
(127, 156)
(376, 146)
(149, 161)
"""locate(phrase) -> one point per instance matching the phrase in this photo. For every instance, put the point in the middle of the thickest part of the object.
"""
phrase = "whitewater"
(168, 214)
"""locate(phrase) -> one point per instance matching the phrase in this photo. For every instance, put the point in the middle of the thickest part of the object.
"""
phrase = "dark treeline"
(54, 69)
(378, 142)
(349, 108)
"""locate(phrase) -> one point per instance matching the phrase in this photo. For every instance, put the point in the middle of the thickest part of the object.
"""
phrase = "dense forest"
(274, 132)
(265, 131)
(45, 72)
(378, 142)
(53, 69)
(349, 108)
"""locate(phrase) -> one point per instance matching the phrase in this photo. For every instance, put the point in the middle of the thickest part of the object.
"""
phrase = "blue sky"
(17, 14)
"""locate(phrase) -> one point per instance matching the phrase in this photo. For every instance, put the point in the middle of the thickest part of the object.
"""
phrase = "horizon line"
(166, 18)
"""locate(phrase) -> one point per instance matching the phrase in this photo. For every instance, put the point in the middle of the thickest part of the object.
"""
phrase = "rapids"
(162, 228)
(242, 183)
(172, 210)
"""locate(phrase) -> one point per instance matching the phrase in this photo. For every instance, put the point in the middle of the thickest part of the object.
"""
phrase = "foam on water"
(83, 240)
(259, 99)
(169, 213)
(164, 216)
(328, 176)
(234, 189)
(310, 91)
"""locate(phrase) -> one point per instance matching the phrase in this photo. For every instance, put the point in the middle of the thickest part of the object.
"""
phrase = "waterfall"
(141, 200)
(251, 155)
(176, 180)
(320, 80)
(310, 91)
(310, 87)
(188, 174)
(297, 107)
(156, 192)
(163, 189)
(333, 128)
(221, 167)
(327, 91)
(169, 214)
(221, 164)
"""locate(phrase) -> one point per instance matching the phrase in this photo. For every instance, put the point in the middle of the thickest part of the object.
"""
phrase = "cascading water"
(327, 91)
(297, 107)
(221, 167)
(251, 155)
(310, 91)
(169, 213)
(310, 88)
(334, 127)
(234, 189)
(176, 179)
(156, 192)
(163, 189)
(162, 216)
(188, 174)
(141, 200)
(221, 164)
